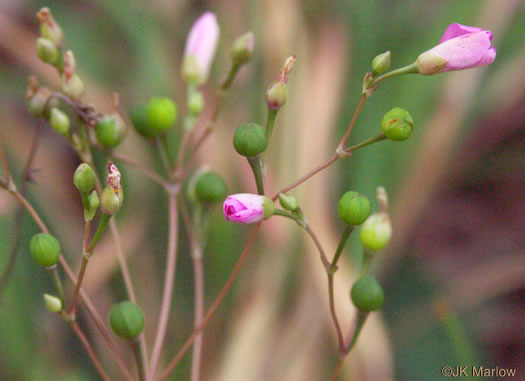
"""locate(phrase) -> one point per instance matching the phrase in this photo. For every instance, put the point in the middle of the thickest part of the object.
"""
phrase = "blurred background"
(454, 273)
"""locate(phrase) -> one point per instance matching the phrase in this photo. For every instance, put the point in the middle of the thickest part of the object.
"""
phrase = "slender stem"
(87, 251)
(342, 242)
(338, 367)
(333, 312)
(216, 303)
(26, 175)
(164, 153)
(89, 350)
(314, 171)
(4, 163)
(410, 69)
(145, 171)
(354, 334)
(199, 311)
(367, 142)
(308, 229)
(270, 121)
(225, 85)
(365, 265)
(101, 228)
(57, 282)
(346, 136)
(196, 255)
(135, 347)
(255, 164)
(169, 280)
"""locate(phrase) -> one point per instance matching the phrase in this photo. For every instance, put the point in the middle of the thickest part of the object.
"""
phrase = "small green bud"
(397, 124)
(381, 63)
(367, 294)
(59, 121)
(277, 95)
(110, 130)
(110, 201)
(49, 29)
(126, 320)
(45, 249)
(353, 208)
(288, 202)
(46, 51)
(84, 178)
(242, 50)
(161, 113)
(376, 232)
(268, 207)
(195, 102)
(210, 187)
(428, 63)
(139, 119)
(73, 86)
(93, 202)
(53, 303)
(38, 100)
(249, 139)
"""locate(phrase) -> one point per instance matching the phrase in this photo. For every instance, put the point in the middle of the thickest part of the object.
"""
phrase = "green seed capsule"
(110, 130)
(139, 119)
(397, 124)
(210, 187)
(353, 208)
(126, 320)
(367, 294)
(277, 95)
(249, 139)
(45, 249)
(84, 178)
(46, 51)
(161, 113)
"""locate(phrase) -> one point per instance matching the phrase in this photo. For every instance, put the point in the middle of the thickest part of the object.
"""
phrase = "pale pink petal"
(202, 42)
(456, 30)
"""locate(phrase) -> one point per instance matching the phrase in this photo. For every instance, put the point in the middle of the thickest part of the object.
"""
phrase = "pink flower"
(247, 208)
(461, 47)
(200, 48)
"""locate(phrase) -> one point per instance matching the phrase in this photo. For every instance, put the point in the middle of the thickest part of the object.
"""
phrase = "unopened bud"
(381, 63)
(73, 86)
(53, 303)
(38, 101)
(195, 102)
(288, 202)
(59, 121)
(277, 93)
(69, 63)
(242, 50)
(376, 232)
(91, 207)
(46, 51)
(397, 124)
(49, 29)
(84, 178)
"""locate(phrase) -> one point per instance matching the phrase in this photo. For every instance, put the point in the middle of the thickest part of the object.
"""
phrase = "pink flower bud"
(246, 208)
(200, 48)
(461, 47)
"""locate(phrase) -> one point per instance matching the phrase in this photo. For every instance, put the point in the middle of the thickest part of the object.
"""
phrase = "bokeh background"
(454, 273)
